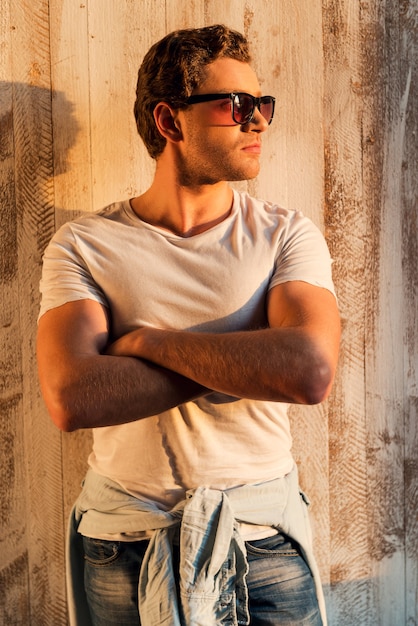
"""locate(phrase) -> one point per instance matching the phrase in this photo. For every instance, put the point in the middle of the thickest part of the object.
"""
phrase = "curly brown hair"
(174, 66)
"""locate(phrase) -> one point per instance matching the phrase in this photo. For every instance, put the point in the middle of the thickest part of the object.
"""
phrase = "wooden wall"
(343, 148)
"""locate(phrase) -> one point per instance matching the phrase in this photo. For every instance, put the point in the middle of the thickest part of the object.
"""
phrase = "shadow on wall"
(38, 127)
(33, 123)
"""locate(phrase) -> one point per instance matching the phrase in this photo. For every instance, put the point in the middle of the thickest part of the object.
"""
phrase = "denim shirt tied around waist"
(207, 521)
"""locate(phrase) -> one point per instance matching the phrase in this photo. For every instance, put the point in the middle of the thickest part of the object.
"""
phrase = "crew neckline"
(169, 234)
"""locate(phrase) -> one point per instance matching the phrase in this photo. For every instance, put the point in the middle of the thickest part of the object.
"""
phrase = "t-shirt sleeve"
(65, 274)
(303, 255)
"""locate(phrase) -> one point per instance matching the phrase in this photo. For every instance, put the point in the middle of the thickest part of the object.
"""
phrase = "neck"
(183, 210)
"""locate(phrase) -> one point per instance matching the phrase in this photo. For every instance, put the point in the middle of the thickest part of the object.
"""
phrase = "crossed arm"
(87, 383)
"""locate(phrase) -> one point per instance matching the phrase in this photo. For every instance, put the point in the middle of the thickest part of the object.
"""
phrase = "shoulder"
(261, 206)
(93, 221)
(273, 217)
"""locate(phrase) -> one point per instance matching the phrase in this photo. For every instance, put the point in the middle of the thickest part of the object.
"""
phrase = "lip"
(254, 148)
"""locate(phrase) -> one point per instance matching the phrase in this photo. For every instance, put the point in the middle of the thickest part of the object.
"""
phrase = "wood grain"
(343, 148)
(408, 70)
(41, 450)
(346, 223)
(14, 595)
(70, 109)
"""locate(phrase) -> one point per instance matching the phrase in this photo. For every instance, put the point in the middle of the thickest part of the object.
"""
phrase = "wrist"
(151, 344)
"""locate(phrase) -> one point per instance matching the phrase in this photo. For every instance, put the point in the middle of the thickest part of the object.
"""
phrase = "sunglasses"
(243, 105)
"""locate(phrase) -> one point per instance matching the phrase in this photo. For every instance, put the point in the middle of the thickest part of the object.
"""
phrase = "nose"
(258, 122)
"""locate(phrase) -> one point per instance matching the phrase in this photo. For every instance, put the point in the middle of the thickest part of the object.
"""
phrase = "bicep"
(72, 330)
(311, 309)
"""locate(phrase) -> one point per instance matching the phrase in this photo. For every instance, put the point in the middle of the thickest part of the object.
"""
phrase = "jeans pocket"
(277, 545)
(100, 551)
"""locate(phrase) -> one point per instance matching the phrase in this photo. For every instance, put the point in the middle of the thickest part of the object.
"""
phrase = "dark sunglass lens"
(243, 108)
(267, 108)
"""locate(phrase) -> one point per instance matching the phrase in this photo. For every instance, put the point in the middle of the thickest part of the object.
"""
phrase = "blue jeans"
(280, 585)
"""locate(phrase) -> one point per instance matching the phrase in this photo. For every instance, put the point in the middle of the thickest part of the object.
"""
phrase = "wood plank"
(185, 15)
(35, 219)
(14, 596)
(70, 109)
(119, 35)
(408, 39)
(385, 319)
(346, 220)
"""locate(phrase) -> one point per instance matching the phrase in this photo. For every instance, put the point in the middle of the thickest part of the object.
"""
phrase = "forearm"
(279, 364)
(101, 390)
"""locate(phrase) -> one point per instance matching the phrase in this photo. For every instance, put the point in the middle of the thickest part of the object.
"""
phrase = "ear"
(167, 122)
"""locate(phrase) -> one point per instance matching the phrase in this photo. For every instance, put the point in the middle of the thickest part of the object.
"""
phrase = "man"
(179, 325)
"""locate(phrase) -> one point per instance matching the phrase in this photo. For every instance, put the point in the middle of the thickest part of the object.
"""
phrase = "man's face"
(214, 147)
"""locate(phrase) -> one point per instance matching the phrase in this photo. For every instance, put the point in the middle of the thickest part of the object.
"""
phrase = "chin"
(247, 175)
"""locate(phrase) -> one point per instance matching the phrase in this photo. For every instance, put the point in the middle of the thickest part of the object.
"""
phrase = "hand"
(128, 345)
(142, 342)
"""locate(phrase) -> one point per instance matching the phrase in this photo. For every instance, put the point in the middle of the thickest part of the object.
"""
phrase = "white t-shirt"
(215, 281)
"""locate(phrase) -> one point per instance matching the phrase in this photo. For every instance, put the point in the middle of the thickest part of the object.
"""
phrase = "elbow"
(66, 423)
(69, 403)
(319, 384)
(62, 393)
(63, 418)
(312, 379)
(61, 412)
(312, 386)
